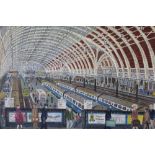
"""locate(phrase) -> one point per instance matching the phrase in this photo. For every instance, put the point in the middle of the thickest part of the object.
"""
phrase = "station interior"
(84, 77)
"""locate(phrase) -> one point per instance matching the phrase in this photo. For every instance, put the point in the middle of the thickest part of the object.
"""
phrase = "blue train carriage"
(55, 89)
(93, 96)
(114, 105)
(76, 104)
(72, 103)
(66, 86)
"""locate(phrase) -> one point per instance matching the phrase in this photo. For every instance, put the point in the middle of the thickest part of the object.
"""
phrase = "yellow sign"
(2, 95)
(153, 93)
(26, 92)
(140, 117)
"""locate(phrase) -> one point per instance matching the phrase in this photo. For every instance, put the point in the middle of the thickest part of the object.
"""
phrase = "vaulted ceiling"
(127, 51)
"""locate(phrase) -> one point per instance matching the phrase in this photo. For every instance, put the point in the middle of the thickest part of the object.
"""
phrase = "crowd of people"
(148, 121)
(19, 117)
(71, 118)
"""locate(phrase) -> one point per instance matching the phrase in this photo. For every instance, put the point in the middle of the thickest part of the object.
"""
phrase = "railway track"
(142, 101)
(26, 99)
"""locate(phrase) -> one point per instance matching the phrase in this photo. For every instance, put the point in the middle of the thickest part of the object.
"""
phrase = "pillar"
(70, 80)
(136, 91)
(95, 85)
(84, 81)
(117, 87)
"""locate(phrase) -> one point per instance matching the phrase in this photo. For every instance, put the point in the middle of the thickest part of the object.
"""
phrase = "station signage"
(119, 118)
(88, 104)
(96, 118)
(26, 92)
(61, 103)
(9, 102)
(2, 95)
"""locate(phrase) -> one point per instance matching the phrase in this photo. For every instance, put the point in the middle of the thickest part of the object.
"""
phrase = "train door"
(105, 80)
(109, 82)
(132, 85)
(113, 82)
(153, 88)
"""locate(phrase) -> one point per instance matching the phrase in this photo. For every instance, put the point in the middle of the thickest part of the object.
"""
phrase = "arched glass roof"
(120, 51)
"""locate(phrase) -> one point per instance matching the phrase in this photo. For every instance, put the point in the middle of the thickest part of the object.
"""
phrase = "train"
(95, 96)
(60, 88)
(41, 95)
(74, 101)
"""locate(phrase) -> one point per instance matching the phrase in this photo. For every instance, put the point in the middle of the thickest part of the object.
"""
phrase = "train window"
(115, 105)
(124, 108)
(127, 109)
(100, 99)
(119, 106)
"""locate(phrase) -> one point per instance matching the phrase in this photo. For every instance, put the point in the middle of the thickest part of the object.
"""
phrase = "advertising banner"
(119, 118)
(110, 123)
(96, 118)
(29, 117)
(140, 118)
(12, 117)
(54, 117)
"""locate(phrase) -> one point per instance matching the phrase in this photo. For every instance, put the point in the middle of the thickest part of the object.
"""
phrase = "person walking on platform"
(152, 122)
(35, 116)
(19, 118)
(146, 119)
(70, 118)
(134, 117)
(44, 117)
(108, 116)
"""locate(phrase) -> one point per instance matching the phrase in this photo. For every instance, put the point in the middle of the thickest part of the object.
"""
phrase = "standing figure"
(35, 116)
(152, 122)
(19, 118)
(44, 117)
(134, 117)
(108, 116)
(146, 119)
